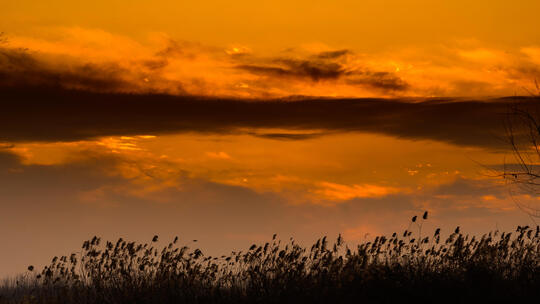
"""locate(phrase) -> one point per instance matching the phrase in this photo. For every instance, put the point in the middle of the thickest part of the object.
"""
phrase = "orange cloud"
(98, 60)
(339, 192)
(218, 155)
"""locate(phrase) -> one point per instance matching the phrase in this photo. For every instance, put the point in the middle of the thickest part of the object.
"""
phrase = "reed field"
(403, 267)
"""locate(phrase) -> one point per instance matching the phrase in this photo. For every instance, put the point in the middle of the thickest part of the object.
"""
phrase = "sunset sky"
(229, 121)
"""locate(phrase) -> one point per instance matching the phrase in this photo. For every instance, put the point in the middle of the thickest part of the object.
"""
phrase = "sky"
(228, 121)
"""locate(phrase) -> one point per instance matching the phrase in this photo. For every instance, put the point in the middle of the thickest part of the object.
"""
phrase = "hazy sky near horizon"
(228, 121)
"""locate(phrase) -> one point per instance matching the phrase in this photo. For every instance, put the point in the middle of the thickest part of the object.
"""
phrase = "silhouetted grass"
(405, 267)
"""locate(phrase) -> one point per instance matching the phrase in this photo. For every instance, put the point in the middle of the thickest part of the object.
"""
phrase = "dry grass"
(403, 267)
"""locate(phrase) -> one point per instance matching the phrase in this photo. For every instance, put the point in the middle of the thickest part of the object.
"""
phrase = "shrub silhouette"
(403, 267)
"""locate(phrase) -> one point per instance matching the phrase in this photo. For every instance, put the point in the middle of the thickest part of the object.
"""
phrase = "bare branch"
(522, 128)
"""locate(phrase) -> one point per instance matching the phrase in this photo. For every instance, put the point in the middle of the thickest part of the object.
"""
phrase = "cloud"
(18, 68)
(338, 192)
(301, 69)
(326, 66)
(218, 155)
(42, 114)
(289, 136)
(333, 54)
(471, 188)
(92, 60)
(145, 95)
(383, 81)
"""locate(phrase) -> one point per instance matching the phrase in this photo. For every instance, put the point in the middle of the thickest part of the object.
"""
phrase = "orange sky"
(368, 25)
(131, 118)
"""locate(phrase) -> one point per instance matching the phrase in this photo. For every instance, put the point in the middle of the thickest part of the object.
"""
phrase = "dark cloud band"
(42, 102)
(55, 114)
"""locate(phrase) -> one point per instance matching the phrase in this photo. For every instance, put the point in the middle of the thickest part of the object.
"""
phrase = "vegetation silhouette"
(405, 267)
(522, 126)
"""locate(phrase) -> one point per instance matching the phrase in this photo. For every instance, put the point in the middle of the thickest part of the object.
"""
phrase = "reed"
(401, 267)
